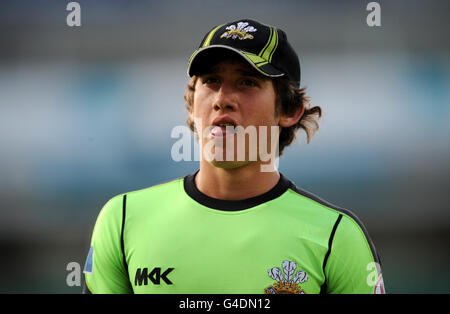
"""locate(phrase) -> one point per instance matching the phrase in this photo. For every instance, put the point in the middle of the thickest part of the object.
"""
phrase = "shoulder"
(344, 221)
(115, 206)
(110, 214)
(325, 207)
(166, 187)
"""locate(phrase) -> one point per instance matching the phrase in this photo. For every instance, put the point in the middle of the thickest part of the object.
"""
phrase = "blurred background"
(86, 113)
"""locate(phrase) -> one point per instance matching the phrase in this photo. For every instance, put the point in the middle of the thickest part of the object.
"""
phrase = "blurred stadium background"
(86, 113)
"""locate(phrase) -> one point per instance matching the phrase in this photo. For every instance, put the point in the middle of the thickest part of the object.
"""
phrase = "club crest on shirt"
(240, 31)
(287, 283)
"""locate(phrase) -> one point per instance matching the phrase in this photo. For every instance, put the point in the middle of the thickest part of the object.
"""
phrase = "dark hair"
(289, 98)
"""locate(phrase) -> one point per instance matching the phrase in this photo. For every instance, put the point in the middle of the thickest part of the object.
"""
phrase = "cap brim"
(203, 56)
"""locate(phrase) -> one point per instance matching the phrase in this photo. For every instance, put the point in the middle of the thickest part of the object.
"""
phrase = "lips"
(222, 131)
(224, 120)
(222, 127)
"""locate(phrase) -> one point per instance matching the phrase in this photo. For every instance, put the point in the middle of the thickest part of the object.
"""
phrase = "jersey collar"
(214, 203)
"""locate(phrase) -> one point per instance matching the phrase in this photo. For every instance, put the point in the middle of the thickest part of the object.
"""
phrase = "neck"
(234, 184)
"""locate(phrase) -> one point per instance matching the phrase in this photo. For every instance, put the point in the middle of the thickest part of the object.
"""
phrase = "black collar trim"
(231, 205)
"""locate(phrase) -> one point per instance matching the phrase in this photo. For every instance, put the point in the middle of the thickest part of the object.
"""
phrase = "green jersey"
(172, 238)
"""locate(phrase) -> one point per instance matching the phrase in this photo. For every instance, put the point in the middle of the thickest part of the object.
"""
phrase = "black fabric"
(122, 241)
(233, 205)
(85, 288)
(284, 58)
(330, 245)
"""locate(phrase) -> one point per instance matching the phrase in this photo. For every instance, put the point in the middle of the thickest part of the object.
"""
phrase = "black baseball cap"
(265, 47)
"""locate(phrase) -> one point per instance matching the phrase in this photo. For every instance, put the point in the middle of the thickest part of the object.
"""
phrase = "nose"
(226, 98)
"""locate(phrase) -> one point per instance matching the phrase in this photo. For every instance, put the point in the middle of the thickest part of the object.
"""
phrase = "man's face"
(233, 93)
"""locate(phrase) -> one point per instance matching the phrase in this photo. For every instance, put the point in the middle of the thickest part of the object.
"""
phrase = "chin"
(230, 164)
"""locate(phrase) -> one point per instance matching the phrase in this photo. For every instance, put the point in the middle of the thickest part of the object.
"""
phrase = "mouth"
(222, 127)
(222, 130)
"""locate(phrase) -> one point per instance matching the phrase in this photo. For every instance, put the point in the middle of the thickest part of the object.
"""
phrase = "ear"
(289, 120)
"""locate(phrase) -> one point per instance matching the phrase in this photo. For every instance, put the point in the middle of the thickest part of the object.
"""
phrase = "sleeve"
(105, 270)
(353, 266)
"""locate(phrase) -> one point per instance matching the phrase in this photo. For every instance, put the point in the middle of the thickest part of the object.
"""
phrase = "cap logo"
(240, 31)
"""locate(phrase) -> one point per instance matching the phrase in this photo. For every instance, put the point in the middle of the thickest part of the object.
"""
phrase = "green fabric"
(108, 275)
(257, 60)
(215, 251)
(271, 45)
(210, 35)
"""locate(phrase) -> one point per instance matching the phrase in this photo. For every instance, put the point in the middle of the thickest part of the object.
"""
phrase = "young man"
(237, 225)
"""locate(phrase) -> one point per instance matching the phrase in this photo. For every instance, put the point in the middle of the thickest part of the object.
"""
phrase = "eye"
(250, 82)
(210, 80)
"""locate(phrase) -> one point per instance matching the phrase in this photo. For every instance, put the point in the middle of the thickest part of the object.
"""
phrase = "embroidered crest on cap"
(240, 31)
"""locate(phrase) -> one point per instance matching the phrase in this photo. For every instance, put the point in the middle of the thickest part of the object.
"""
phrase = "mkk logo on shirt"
(142, 276)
